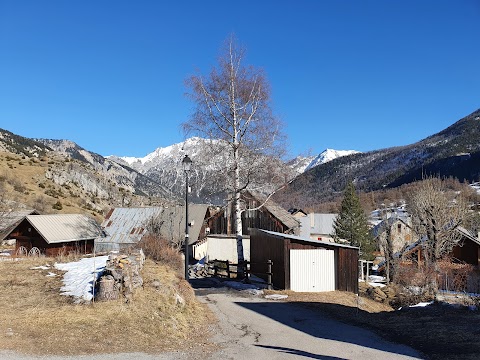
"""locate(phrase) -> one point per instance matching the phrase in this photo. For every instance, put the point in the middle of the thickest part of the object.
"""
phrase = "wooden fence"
(231, 270)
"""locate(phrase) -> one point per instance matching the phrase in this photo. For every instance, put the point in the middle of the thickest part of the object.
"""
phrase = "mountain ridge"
(389, 167)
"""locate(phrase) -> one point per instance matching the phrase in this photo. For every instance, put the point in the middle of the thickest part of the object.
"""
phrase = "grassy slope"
(36, 319)
(25, 182)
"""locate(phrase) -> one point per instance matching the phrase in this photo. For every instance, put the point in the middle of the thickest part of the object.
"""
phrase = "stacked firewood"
(121, 276)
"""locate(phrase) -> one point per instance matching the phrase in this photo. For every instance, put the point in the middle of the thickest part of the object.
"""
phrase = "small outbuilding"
(304, 265)
(57, 234)
(125, 227)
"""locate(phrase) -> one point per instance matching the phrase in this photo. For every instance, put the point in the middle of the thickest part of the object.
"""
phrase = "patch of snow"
(5, 254)
(376, 278)
(46, 267)
(276, 297)
(247, 288)
(80, 276)
(419, 305)
(50, 274)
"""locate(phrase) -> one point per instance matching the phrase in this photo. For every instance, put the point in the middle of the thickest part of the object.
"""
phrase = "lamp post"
(187, 164)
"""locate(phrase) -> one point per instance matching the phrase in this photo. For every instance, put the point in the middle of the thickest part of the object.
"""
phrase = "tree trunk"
(238, 218)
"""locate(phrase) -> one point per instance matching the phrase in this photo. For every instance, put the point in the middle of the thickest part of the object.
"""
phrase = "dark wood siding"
(347, 270)
(265, 246)
(257, 219)
(467, 252)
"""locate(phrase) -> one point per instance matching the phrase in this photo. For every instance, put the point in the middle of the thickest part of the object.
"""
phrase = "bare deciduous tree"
(436, 217)
(385, 243)
(233, 110)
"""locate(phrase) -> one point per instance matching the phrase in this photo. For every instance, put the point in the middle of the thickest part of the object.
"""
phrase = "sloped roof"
(415, 245)
(128, 225)
(379, 228)
(277, 211)
(307, 240)
(64, 227)
(322, 224)
(10, 220)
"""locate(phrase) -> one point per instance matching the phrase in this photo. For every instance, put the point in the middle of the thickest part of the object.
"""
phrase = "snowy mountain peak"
(303, 164)
(159, 155)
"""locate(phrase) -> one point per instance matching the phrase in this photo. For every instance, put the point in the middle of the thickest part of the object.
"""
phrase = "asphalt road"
(256, 328)
(251, 327)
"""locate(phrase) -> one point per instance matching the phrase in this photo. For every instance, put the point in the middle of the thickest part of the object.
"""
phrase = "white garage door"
(312, 270)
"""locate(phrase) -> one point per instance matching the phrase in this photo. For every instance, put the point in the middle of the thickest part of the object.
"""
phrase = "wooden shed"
(54, 235)
(302, 264)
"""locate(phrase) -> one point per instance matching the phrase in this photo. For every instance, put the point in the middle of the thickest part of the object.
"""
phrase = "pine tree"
(351, 224)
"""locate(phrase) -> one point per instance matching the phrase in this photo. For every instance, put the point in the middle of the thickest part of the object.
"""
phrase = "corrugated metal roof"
(64, 227)
(128, 225)
(320, 243)
(10, 220)
(322, 224)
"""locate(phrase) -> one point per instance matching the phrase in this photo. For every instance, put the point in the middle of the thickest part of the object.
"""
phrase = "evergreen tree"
(351, 224)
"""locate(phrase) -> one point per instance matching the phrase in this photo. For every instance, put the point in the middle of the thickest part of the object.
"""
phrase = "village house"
(54, 235)
(466, 251)
(259, 213)
(317, 226)
(125, 227)
(221, 242)
(400, 230)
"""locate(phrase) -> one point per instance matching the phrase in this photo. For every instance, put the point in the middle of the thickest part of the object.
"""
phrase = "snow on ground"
(80, 275)
(249, 288)
(419, 305)
(276, 297)
(422, 304)
(41, 267)
(376, 278)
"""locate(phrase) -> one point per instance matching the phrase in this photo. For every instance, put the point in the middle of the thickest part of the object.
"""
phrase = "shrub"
(414, 284)
(160, 250)
(17, 185)
(57, 206)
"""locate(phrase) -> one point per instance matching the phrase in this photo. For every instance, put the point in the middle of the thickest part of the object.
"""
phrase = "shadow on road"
(300, 353)
(299, 317)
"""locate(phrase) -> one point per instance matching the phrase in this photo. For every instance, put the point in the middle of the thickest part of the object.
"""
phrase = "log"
(107, 290)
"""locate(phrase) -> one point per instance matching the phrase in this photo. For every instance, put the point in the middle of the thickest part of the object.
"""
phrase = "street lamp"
(187, 165)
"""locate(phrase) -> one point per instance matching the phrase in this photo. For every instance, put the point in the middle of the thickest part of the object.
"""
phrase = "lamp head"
(187, 163)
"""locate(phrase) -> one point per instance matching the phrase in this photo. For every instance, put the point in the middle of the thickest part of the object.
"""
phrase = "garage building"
(302, 264)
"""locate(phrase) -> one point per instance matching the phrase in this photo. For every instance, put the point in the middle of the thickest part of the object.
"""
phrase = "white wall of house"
(218, 247)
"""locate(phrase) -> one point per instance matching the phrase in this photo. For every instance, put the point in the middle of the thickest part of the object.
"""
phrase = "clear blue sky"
(360, 75)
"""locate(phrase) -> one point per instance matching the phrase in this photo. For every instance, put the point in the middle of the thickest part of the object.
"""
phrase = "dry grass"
(37, 319)
(439, 331)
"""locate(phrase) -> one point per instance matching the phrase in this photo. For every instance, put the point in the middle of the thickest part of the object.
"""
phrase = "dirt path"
(255, 328)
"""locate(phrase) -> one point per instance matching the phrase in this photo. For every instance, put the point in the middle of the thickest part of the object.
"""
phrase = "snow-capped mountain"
(164, 166)
(304, 163)
(171, 155)
(454, 151)
(328, 155)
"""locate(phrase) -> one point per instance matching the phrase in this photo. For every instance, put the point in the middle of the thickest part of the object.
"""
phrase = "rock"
(156, 284)
(179, 300)
(379, 295)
